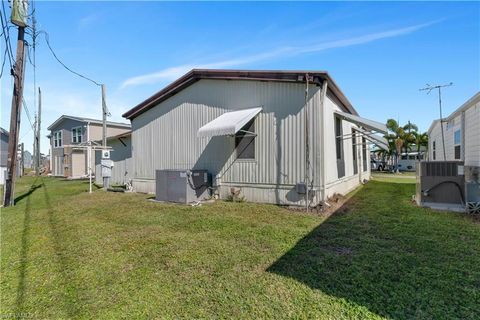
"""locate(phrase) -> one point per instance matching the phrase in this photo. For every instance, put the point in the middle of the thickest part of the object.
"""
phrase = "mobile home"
(269, 134)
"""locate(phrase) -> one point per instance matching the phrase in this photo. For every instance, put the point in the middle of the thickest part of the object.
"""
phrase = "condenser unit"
(441, 184)
(472, 189)
(182, 186)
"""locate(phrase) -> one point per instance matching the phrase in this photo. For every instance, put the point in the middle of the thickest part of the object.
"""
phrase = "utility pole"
(106, 177)
(34, 156)
(104, 118)
(429, 89)
(37, 135)
(15, 113)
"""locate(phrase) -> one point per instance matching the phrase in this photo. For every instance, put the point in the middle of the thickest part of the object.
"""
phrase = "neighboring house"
(461, 132)
(3, 154)
(121, 155)
(247, 128)
(68, 137)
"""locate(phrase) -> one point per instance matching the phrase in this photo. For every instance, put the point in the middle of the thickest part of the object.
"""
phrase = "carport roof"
(296, 76)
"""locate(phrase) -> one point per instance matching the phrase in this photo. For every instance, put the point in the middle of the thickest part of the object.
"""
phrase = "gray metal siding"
(3, 150)
(121, 156)
(165, 137)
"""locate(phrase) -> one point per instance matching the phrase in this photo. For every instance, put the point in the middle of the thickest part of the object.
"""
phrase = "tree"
(420, 140)
(395, 138)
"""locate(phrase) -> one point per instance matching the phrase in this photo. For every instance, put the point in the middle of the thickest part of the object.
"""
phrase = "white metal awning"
(362, 122)
(228, 123)
(379, 141)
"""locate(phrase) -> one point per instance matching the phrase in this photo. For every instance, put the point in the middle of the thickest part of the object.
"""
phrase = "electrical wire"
(6, 34)
(4, 60)
(63, 64)
(27, 111)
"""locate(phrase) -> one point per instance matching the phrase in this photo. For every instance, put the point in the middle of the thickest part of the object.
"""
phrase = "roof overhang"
(363, 122)
(299, 76)
(228, 123)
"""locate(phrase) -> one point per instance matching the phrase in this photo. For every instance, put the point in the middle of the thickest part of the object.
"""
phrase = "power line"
(63, 64)
(6, 34)
(4, 60)
(27, 111)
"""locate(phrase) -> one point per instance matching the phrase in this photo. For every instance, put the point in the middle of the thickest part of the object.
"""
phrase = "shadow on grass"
(69, 288)
(24, 246)
(28, 193)
(380, 252)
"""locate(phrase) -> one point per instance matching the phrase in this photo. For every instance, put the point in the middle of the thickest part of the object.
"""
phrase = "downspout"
(462, 145)
(307, 151)
(89, 157)
(323, 179)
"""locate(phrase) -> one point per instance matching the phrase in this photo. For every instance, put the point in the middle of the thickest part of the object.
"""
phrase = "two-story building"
(68, 137)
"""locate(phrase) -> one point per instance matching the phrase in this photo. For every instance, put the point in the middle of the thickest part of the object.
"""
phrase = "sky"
(379, 53)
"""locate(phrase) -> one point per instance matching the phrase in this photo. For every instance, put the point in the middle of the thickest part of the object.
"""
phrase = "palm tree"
(421, 140)
(409, 131)
(395, 138)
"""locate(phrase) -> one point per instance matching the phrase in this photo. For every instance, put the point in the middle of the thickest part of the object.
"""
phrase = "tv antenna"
(429, 89)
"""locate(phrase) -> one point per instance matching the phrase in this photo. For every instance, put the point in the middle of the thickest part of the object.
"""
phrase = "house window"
(57, 139)
(77, 134)
(245, 141)
(354, 152)
(339, 138)
(457, 150)
(434, 150)
(457, 140)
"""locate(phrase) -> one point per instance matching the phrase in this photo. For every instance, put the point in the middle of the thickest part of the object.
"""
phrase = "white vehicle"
(408, 161)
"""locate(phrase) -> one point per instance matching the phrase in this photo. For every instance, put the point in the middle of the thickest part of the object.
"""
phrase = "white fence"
(121, 172)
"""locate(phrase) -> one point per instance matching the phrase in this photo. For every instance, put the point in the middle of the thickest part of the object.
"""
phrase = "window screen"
(245, 141)
(457, 152)
(339, 138)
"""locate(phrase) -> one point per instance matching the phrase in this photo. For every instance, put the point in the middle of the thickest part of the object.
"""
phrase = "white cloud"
(88, 21)
(177, 71)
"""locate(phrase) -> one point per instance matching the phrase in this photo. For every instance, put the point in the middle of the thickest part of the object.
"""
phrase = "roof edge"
(109, 123)
(296, 76)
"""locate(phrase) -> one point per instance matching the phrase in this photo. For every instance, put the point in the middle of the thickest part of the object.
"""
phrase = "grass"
(69, 254)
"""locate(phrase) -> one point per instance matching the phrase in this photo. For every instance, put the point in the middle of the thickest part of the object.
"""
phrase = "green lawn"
(68, 254)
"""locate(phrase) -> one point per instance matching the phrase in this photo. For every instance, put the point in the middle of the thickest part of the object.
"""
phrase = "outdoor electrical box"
(105, 154)
(107, 166)
(182, 186)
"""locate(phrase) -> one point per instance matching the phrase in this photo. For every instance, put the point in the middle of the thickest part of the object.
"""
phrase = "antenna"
(429, 89)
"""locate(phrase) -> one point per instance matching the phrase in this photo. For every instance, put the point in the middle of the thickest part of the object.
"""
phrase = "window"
(457, 141)
(245, 141)
(457, 138)
(77, 134)
(354, 151)
(339, 138)
(57, 139)
(434, 150)
(457, 150)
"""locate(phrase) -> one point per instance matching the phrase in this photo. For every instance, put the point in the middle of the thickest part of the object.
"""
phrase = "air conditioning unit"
(441, 184)
(472, 189)
(182, 186)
